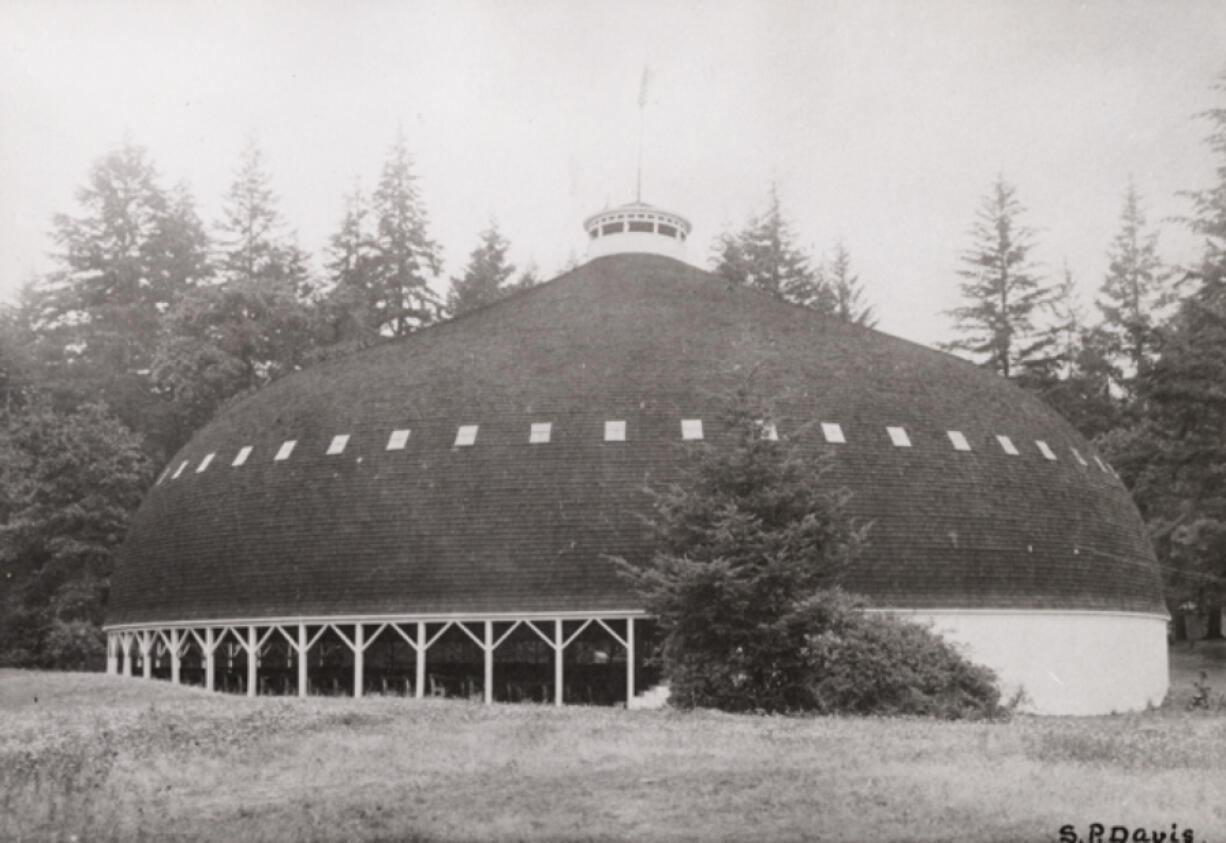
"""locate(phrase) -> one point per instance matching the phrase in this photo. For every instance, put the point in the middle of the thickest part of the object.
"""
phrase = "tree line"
(152, 321)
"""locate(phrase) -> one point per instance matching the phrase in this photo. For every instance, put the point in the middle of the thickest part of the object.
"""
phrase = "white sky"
(883, 123)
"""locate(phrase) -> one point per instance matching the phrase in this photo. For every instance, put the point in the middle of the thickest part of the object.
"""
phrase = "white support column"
(558, 656)
(210, 661)
(302, 660)
(489, 662)
(146, 653)
(419, 690)
(359, 653)
(253, 656)
(175, 662)
(126, 654)
(629, 662)
(112, 660)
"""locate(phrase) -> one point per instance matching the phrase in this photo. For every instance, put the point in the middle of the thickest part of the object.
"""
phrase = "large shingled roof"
(505, 525)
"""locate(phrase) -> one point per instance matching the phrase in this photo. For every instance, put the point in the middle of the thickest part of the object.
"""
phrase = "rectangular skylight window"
(615, 431)
(1006, 445)
(899, 437)
(397, 440)
(287, 448)
(1077, 455)
(1043, 449)
(833, 433)
(768, 430)
(466, 435)
(182, 466)
(242, 455)
(338, 444)
(691, 428)
(1102, 464)
(539, 435)
(958, 440)
(204, 463)
(165, 474)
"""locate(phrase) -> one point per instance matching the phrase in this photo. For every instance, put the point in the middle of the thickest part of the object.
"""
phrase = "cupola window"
(613, 228)
(643, 227)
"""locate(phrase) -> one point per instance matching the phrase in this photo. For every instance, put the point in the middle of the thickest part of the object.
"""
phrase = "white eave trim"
(437, 617)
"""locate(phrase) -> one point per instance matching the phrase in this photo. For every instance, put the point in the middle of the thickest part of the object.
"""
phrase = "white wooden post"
(302, 660)
(358, 663)
(253, 654)
(557, 662)
(210, 661)
(419, 690)
(629, 662)
(126, 654)
(489, 662)
(146, 650)
(175, 661)
(112, 660)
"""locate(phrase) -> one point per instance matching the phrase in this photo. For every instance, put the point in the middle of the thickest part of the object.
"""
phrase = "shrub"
(880, 664)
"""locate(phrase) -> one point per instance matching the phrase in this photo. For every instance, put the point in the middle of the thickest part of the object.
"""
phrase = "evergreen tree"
(750, 532)
(253, 326)
(1003, 294)
(349, 308)
(762, 255)
(405, 257)
(845, 287)
(132, 254)
(485, 278)
(1134, 291)
(1173, 458)
(69, 482)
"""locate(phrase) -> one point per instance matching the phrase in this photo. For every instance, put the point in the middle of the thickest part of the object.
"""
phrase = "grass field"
(91, 757)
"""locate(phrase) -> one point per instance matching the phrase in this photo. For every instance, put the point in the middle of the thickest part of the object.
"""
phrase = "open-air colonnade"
(360, 655)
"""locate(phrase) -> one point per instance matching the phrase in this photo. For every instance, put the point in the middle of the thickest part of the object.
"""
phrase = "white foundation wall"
(1067, 662)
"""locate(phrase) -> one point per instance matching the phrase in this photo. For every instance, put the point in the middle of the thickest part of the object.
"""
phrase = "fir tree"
(351, 306)
(845, 288)
(763, 255)
(250, 328)
(1173, 459)
(69, 482)
(1003, 293)
(1134, 291)
(485, 278)
(405, 258)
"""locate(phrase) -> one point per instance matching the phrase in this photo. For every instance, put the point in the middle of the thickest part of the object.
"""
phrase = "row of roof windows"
(540, 433)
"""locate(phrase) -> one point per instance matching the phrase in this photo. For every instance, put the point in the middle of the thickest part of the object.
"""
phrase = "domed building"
(435, 515)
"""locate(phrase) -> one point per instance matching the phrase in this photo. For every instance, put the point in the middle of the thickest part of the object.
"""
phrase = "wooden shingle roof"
(505, 525)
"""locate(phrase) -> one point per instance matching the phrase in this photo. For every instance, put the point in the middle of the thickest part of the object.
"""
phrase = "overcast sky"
(882, 123)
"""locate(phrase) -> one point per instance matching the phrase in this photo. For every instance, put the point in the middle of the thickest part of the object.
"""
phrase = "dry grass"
(103, 758)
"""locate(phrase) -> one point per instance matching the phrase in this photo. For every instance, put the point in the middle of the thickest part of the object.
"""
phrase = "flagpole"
(638, 187)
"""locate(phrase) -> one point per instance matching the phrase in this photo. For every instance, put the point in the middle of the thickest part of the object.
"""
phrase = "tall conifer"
(1002, 291)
